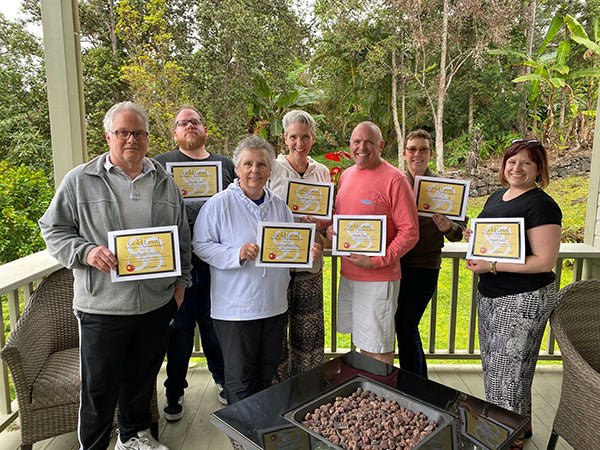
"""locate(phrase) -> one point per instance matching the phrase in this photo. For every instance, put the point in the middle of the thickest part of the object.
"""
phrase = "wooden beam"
(60, 24)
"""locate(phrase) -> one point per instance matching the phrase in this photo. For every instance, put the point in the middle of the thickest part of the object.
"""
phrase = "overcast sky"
(10, 8)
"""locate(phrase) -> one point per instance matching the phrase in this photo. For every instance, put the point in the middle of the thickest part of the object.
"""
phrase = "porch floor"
(194, 432)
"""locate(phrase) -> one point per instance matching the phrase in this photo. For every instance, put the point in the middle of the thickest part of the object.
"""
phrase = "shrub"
(24, 196)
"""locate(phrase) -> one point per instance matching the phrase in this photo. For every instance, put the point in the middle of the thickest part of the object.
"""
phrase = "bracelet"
(493, 268)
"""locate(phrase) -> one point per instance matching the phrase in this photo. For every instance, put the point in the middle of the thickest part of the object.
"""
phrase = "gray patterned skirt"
(510, 334)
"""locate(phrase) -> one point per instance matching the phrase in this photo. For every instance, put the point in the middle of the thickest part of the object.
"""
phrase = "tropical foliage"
(476, 74)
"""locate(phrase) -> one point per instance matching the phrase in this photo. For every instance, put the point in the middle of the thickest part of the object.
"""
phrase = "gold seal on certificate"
(306, 198)
(499, 239)
(359, 234)
(197, 180)
(145, 253)
(441, 195)
(285, 244)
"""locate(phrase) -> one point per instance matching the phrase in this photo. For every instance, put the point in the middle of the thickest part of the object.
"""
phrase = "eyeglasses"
(124, 134)
(527, 141)
(413, 150)
(184, 123)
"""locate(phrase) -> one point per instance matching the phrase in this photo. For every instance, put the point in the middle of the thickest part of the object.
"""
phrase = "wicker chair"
(576, 323)
(42, 354)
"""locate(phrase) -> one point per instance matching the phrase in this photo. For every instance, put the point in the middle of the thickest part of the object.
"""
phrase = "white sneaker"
(221, 394)
(143, 441)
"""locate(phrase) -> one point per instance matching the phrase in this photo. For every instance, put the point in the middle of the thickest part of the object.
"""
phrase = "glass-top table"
(257, 422)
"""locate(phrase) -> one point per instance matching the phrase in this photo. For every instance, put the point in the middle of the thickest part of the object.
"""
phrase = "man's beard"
(192, 141)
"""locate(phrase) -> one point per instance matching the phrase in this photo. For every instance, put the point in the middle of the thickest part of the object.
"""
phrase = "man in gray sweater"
(123, 326)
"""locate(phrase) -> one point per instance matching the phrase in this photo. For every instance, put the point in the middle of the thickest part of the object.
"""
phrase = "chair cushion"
(59, 382)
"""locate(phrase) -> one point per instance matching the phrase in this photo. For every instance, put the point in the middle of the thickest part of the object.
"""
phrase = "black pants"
(194, 310)
(251, 349)
(120, 359)
(416, 289)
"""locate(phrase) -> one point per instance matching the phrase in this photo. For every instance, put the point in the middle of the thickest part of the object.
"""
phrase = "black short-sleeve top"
(537, 208)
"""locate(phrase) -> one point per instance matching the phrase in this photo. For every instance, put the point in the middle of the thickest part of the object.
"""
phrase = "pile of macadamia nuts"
(367, 421)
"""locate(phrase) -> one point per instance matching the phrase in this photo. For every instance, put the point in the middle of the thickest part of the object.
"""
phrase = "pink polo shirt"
(383, 190)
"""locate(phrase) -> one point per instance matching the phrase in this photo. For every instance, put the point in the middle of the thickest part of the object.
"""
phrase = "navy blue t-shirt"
(537, 208)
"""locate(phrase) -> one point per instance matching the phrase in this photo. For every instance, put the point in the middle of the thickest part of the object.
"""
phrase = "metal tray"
(442, 437)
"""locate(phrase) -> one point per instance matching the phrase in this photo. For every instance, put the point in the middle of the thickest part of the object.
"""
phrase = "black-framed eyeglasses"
(185, 122)
(527, 141)
(123, 135)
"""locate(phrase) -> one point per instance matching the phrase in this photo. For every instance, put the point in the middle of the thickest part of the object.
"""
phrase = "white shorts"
(366, 309)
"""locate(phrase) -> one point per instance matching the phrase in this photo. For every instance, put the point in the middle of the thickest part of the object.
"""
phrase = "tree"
(352, 65)
(24, 120)
(232, 41)
(554, 71)
(444, 37)
(154, 76)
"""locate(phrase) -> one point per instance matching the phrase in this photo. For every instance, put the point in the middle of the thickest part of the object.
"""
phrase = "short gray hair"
(126, 106)
(254, 142)
(299, 116)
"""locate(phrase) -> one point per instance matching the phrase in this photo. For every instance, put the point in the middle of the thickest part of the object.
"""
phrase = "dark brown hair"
(538, 155)
(419, 134)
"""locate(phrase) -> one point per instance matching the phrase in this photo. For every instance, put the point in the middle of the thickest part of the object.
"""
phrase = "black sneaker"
(174, 410)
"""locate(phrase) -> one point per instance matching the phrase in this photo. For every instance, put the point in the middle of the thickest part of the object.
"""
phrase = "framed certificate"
(286, 437)
(500, 240)
(359, 234)
(306, 198)
(443, 196)
(483, 431)
(198, 180)
(285, 244)
(145, 253)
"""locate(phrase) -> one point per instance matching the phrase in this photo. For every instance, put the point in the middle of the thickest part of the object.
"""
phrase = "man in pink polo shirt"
(369, 285)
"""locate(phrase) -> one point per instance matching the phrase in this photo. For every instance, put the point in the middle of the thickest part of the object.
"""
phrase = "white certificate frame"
(429, 210)
(338, 248)
(268, 258)
(477, 248)
(120, 274)
(319, 185)
(172, 167)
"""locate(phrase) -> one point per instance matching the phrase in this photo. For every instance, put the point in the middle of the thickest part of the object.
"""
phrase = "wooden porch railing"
(19, 278)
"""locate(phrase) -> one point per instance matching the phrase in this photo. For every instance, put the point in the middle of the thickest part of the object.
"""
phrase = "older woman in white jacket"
(248, 302)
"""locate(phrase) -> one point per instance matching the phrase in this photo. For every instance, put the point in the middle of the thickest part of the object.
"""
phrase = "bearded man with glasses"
(190, 135)
(123, 327)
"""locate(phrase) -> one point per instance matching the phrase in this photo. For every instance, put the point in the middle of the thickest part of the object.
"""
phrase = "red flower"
(337, 156)
(335, 170)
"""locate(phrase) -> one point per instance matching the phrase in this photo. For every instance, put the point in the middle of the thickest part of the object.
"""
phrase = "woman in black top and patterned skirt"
(515, 300)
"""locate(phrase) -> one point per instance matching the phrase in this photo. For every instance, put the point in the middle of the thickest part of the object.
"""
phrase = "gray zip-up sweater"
(82, 212)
